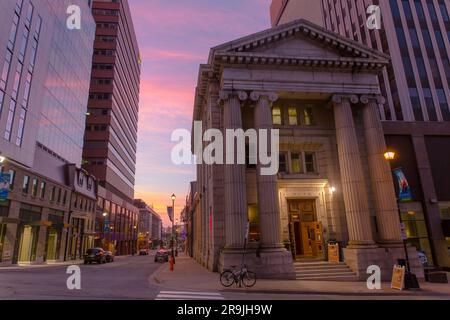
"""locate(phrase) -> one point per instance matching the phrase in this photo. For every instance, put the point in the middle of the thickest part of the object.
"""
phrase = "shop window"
(293, 120)
(253, 218)
(276, 116)
(415, 228)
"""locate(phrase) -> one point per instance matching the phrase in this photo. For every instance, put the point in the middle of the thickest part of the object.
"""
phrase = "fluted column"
(234, 175)
(268, 207)
(380, 173)
(352, 178)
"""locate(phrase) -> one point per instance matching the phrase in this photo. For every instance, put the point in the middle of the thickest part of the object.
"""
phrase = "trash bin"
(401, 262)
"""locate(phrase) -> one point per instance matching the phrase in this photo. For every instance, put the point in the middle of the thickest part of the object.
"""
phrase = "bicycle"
(243, 276)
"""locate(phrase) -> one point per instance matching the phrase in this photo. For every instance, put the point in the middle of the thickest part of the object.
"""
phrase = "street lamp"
(410, 278)
(173, 219)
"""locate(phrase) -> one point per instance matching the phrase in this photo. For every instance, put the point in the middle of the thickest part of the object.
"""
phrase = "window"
(12, 176)
(53, 194)
(42, 193)
(59, 195)
(296, 162)
(293, 120)
(34, 188)
(309, 162)
(26, 183)
(308, 113)
(65, 197)
(282, 163)
(276, 116)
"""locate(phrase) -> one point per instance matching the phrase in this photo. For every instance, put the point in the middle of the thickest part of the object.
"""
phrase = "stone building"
(321, 91)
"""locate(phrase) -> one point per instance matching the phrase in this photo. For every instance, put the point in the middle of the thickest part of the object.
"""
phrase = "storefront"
(54, 235)
(4, 208)
(28, 233)
(76, 250)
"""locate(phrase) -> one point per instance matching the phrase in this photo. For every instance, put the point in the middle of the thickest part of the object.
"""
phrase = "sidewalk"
(189, 275)
(50, 264)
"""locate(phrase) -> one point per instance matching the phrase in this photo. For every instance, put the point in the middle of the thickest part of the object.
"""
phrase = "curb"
(350, 294)
(153, 278)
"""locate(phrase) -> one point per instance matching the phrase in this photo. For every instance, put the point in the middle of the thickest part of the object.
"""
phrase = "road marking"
(188, 295)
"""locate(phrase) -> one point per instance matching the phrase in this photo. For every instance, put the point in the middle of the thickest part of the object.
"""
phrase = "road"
(128, 278)
(125, 278)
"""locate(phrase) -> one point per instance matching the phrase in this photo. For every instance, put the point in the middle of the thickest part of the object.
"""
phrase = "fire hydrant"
(171, 262)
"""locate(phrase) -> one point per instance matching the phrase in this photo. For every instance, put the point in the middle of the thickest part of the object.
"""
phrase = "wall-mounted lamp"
(2, 159)
(332, 189)
(389, 155)
(105, 214)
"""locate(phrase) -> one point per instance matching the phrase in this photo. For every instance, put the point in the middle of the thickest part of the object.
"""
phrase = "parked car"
(109, 256)
(97, 255)
(143, 252)
(162, 255)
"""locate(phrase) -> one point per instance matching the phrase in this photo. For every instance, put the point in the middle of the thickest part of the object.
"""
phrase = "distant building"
(44, 84)
(111, 124)
(149, 226)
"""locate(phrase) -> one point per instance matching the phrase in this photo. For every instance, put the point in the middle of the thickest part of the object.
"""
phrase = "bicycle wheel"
(227, 278)
(249, 279)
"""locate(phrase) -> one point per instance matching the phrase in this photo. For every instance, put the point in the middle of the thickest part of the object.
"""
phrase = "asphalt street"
(128, 278)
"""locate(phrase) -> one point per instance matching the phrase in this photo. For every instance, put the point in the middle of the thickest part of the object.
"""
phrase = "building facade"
(149, 227)
(111, 123)
(321, 92)
(416, 87)
(43, 99)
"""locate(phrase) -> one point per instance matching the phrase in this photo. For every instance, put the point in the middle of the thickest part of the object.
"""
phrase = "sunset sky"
(174, 38)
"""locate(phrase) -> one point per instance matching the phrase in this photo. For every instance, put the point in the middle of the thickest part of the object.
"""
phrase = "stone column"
(268, 207)
(234, 176)
(380, 174)
(352, 178)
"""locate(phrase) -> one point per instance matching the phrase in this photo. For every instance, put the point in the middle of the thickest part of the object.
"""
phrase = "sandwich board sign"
(333, 253)
(398, 277)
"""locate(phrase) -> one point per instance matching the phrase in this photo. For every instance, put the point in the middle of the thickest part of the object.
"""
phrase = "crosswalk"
(188, 295)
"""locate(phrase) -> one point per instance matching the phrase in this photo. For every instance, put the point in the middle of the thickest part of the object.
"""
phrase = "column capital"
(339, 98)
(257, 95)
(227, 94)
(378, 98)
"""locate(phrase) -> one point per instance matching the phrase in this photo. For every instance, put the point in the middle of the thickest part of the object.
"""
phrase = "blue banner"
(5, 178)
(404, 190)
(170, 213)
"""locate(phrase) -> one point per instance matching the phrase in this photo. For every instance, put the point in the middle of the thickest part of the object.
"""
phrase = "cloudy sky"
(174, 38)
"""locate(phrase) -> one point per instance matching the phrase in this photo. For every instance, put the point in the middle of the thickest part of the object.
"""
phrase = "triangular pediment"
(299, 43)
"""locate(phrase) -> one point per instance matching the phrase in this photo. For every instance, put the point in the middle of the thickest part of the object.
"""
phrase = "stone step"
(316, 274)
(344, 278)
(322, 270)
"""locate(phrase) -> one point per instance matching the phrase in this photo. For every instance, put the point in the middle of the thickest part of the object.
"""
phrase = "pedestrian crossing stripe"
(188, 295)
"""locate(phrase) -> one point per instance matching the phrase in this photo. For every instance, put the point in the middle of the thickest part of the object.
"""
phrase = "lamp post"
(173, 220)
(410, 278)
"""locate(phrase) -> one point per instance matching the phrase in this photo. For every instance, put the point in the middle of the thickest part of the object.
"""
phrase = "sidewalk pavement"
(189, 275)
(50, 264)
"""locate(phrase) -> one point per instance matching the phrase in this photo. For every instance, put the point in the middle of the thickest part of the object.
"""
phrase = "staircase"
(324, 271)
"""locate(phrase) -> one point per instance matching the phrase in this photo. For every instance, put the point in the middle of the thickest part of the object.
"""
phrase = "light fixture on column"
(105, 214)
(332, 189)
(2, 159)
(389, 155)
